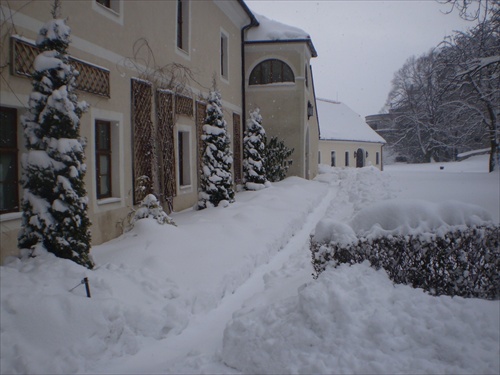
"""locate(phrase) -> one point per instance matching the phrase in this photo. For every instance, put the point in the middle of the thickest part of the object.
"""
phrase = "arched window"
(271, 71)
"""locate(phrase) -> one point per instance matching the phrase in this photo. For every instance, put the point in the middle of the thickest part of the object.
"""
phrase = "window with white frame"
(111, 9)
(108, 155)
(377, 158)
(224, 55)
(103, 154)
(184, 157)
(183, 25)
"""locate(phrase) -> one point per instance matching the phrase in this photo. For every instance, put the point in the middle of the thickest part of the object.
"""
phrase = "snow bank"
(412, 217)
(354, 320)
(401, 217)
(148, 285)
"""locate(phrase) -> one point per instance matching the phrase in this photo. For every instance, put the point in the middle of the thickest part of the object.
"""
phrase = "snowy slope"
(227, 281)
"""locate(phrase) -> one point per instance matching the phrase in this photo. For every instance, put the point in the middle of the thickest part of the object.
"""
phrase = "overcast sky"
(362, 43)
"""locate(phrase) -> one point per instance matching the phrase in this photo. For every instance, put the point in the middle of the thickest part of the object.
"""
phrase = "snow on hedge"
(402, 217)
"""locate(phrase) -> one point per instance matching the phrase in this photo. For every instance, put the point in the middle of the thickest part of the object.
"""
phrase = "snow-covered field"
(229, 290)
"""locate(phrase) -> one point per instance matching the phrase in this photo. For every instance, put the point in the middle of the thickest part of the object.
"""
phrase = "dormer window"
(271, 71)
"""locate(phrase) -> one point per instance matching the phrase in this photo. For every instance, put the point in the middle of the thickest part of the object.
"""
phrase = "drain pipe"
(253, 23)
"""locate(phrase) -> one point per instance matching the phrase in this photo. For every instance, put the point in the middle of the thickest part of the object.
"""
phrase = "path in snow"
(199, 345)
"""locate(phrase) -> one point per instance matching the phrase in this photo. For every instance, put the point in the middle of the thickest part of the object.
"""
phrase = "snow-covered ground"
(229, 290)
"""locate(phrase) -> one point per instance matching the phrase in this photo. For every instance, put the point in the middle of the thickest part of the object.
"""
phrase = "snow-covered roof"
(273, 31)
(339, 122)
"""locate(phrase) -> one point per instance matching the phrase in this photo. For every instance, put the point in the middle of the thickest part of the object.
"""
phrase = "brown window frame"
(224, 58)
(180, 21)
(183, 25)
(106, 152)
(12, 151)
(183, 150)
(264, 73)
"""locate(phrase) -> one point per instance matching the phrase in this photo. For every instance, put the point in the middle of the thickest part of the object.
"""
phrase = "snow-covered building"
(279, 81)
(346, 140)
(146, 68)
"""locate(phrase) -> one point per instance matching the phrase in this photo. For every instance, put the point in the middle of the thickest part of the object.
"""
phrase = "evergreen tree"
(277, 159)
(54, 198)
(254, 146)
(216, 178)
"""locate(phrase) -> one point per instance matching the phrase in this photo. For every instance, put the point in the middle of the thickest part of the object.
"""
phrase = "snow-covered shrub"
(277, 159)
(216, 185)
(460, 262)
(254, 147)
(54, 200)
(150, 207)
(447, 248)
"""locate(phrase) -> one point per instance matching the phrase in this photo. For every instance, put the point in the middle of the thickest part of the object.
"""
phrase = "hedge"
(461, 262)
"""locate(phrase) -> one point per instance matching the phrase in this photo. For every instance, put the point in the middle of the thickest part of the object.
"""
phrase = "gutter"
(253, 22)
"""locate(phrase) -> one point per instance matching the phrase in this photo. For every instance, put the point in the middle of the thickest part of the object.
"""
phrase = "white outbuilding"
(346, 140)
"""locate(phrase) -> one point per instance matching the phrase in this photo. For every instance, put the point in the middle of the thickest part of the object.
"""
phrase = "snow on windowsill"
(10, 216)
(184, 189)
(104, 201)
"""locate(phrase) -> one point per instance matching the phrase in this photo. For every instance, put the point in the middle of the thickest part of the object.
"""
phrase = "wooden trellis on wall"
(92, 79)
(143, 146)
(166, 155)
(201, 112)
(237, 148)
(183, 105)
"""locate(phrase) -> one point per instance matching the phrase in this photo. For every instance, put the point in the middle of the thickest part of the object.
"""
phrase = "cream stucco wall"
(133, 42)
(284, 105)
(341, 147)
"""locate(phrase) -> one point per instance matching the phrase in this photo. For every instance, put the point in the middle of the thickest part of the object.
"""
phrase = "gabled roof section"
(270, 31)
(249, 13)
(341, 123)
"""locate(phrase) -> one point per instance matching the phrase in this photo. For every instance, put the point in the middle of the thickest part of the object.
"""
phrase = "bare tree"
(474, 59)
(418, 101)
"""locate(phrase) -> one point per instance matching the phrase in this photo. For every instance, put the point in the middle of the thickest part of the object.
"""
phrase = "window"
(183, 158)
(106, 3)
(103, 158)
(114, 5)
(9, 191)
(271, 71)
(347, 158)
(377, 158)
(332, 157)
(183, 25)
(307, 76)
(224, 56)
(319, 157)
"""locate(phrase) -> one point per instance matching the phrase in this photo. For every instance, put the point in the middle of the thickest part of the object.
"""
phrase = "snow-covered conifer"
(254, 145)
(277, 159)
(216, 177)
(54, 201)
